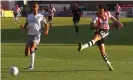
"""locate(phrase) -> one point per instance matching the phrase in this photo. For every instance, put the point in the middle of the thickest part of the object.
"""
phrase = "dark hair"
(35, 3)
(102, 7)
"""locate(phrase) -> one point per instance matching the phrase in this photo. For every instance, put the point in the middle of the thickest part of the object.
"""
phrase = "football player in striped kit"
(101, 28)
(51, 11)
(117, 11)
(33, 24)
(16, 11)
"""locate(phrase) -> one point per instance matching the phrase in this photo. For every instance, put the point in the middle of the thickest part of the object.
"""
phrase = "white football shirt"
(34, 23)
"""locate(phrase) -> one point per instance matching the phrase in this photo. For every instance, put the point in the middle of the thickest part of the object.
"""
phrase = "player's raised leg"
(89, 43)
(27, 50)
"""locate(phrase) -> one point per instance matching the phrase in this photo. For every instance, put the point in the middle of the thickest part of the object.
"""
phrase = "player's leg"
(28, 44)
(15, 20)
(27, 50)
(89, 43)
(101, 46)
(98, 36)
(35, 42)
(32, 59)
(76, 26)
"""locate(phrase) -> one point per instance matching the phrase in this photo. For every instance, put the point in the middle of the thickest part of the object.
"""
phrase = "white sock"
(85, 45)
(32, 59)
(108, 62)
(14, 19)
(17, 19)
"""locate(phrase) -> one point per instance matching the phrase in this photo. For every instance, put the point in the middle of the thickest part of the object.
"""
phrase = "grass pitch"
(57, 57)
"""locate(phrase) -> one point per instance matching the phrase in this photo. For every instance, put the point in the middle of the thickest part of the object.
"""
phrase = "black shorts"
(76, 20)
(15, 15)
(117, 14)
(50, 18)
(103, 34)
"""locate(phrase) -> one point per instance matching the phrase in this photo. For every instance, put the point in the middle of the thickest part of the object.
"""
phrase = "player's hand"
(21, 26)
(120, 25)
(46, 32)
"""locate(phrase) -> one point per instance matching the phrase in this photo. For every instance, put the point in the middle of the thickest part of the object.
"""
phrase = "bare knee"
(102, 49)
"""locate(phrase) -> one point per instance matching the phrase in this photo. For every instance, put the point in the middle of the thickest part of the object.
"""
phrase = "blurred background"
(62, 7)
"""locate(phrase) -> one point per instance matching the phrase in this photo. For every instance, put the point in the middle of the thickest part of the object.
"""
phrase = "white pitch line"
(40, 58)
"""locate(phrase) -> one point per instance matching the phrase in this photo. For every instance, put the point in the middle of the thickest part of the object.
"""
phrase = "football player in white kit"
(33, 24)
(101, 29)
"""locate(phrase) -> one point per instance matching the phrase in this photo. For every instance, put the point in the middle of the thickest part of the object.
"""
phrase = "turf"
(57, 57)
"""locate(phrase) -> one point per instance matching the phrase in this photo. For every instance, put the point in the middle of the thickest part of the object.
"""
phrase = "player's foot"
(80, 46)
(110, 66)
(77, 33)
(31, 67)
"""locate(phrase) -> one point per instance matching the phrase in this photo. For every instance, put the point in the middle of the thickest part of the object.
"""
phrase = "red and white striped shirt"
(102, 23)
(16, 10)
(117, 9)
(51, 11)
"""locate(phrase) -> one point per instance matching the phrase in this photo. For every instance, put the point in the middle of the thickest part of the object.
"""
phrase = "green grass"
(57, 57)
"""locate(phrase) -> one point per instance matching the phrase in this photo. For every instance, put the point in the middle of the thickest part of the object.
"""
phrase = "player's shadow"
(78, 70)
(66, 35)
(23, 70)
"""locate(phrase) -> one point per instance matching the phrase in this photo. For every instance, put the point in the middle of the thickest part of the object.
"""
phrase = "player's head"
(16, 5)
(35, 7)
(101, 9)
(50, 5)
(117, 4)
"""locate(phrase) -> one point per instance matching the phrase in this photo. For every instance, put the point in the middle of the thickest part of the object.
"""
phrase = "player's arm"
(54, 9)
(25, 25)
(118, 23)
(93, 22)
(46, 26)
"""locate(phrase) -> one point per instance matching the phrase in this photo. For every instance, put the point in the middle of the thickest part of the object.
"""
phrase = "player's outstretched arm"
(46, 26)
(24, 26)
(118, 23)
(46, 29)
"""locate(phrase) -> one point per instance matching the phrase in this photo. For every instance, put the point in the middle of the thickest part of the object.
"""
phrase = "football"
(13, 71)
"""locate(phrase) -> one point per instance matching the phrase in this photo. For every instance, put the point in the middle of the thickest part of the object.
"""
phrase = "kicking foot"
(80, 46)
